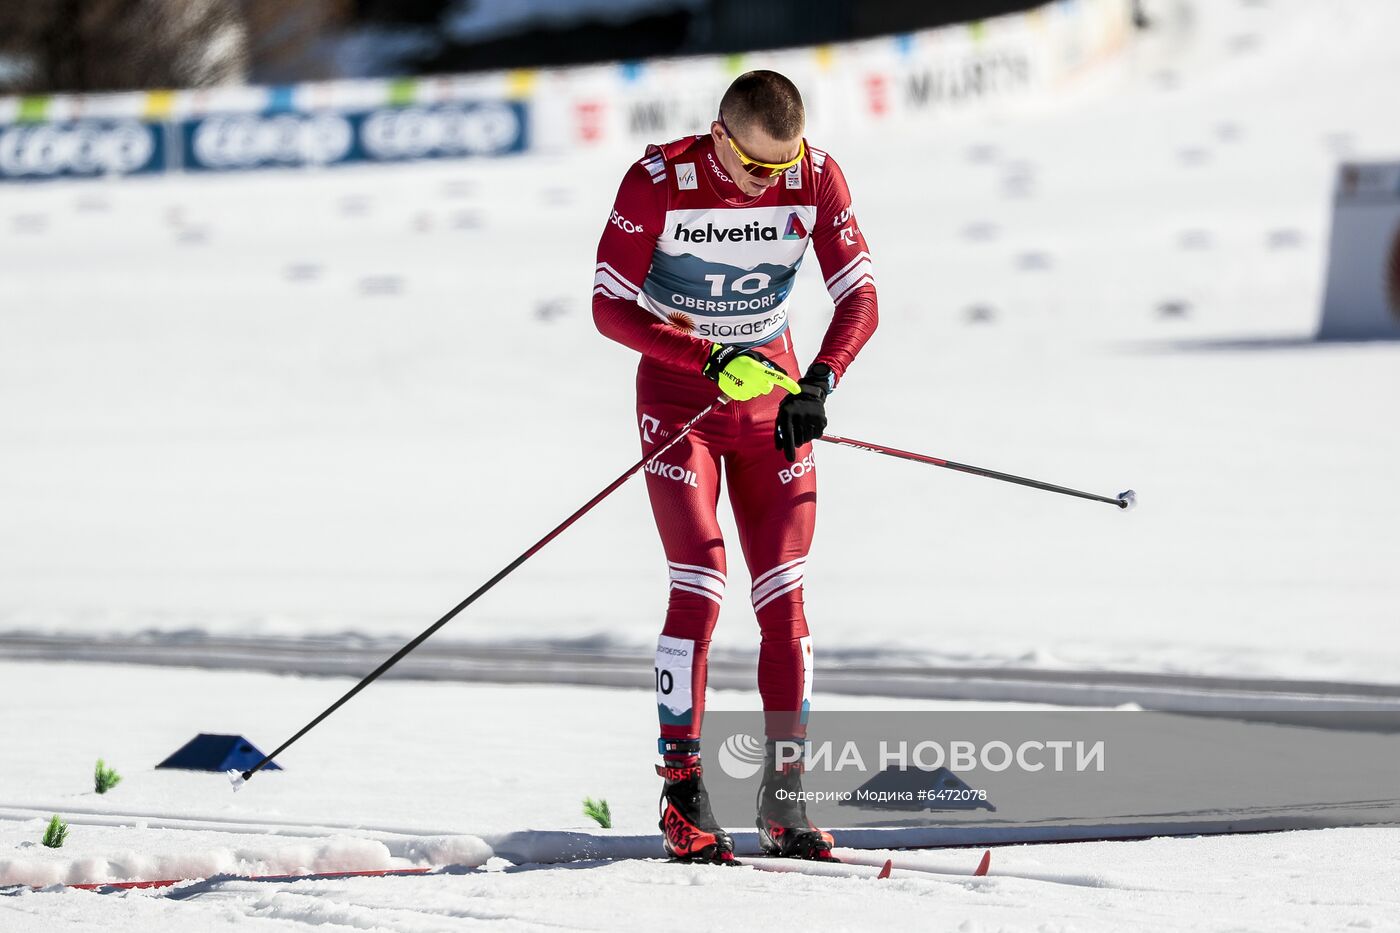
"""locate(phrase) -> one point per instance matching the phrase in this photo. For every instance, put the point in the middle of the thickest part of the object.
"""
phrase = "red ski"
(113, 886)
(850, 863)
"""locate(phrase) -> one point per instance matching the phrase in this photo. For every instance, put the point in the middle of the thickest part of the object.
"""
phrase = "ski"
(949, 873)
(824, 868)
(112, 887)
(856, 857)
(850, 863)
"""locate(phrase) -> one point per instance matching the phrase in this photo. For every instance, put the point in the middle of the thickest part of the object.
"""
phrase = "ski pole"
(1124, 500)
(238, 779)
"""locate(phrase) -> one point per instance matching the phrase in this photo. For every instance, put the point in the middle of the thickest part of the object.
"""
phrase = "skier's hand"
(802, 417)
(745, 374)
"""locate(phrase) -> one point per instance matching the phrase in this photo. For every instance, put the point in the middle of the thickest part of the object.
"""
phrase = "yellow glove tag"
(746, 378)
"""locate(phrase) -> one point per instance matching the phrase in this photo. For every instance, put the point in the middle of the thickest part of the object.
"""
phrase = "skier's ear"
(717, 131)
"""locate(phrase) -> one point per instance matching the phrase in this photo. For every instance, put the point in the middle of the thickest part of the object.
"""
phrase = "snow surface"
(425, 770)
(1297, 881)
(336, 402)
(421, 758)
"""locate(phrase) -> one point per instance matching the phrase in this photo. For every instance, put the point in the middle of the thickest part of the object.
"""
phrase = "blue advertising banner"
(232, 141)
(246, 141)
(84, 148)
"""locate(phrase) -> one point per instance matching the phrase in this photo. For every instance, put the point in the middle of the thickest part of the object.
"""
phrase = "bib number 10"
(750, 284)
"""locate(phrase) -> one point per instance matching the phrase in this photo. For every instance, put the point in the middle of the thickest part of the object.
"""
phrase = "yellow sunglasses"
(762, 169)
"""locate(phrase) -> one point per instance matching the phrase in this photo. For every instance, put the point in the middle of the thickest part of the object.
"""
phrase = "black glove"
(802, 417)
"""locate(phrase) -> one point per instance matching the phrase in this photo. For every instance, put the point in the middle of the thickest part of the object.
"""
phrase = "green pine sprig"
(56, 833)
(598, 811)
(104, 778)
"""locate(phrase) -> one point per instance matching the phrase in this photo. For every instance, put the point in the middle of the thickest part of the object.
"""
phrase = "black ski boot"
(688, 825)
(783, 827)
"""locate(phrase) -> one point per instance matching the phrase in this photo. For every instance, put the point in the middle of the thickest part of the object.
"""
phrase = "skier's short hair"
(765, 99)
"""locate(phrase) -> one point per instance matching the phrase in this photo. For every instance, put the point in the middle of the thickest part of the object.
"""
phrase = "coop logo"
(673, 472)
(1392, 275)
(76, 149)
(712, 234)
(247, 141)
(741, 756)
(800, 468)
(419, 132)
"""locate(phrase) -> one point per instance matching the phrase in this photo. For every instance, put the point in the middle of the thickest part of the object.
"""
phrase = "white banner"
(848, 87)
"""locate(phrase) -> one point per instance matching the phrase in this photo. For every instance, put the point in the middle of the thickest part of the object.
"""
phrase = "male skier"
(695, 269)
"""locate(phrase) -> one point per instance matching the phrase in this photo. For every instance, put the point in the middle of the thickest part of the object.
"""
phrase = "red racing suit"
(686, 261)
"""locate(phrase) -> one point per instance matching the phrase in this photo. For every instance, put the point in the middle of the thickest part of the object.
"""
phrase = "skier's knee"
(705, 584)
(778, 589)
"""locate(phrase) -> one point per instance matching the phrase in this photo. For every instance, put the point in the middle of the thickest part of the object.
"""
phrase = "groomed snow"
(337, 402)
(432, 767)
